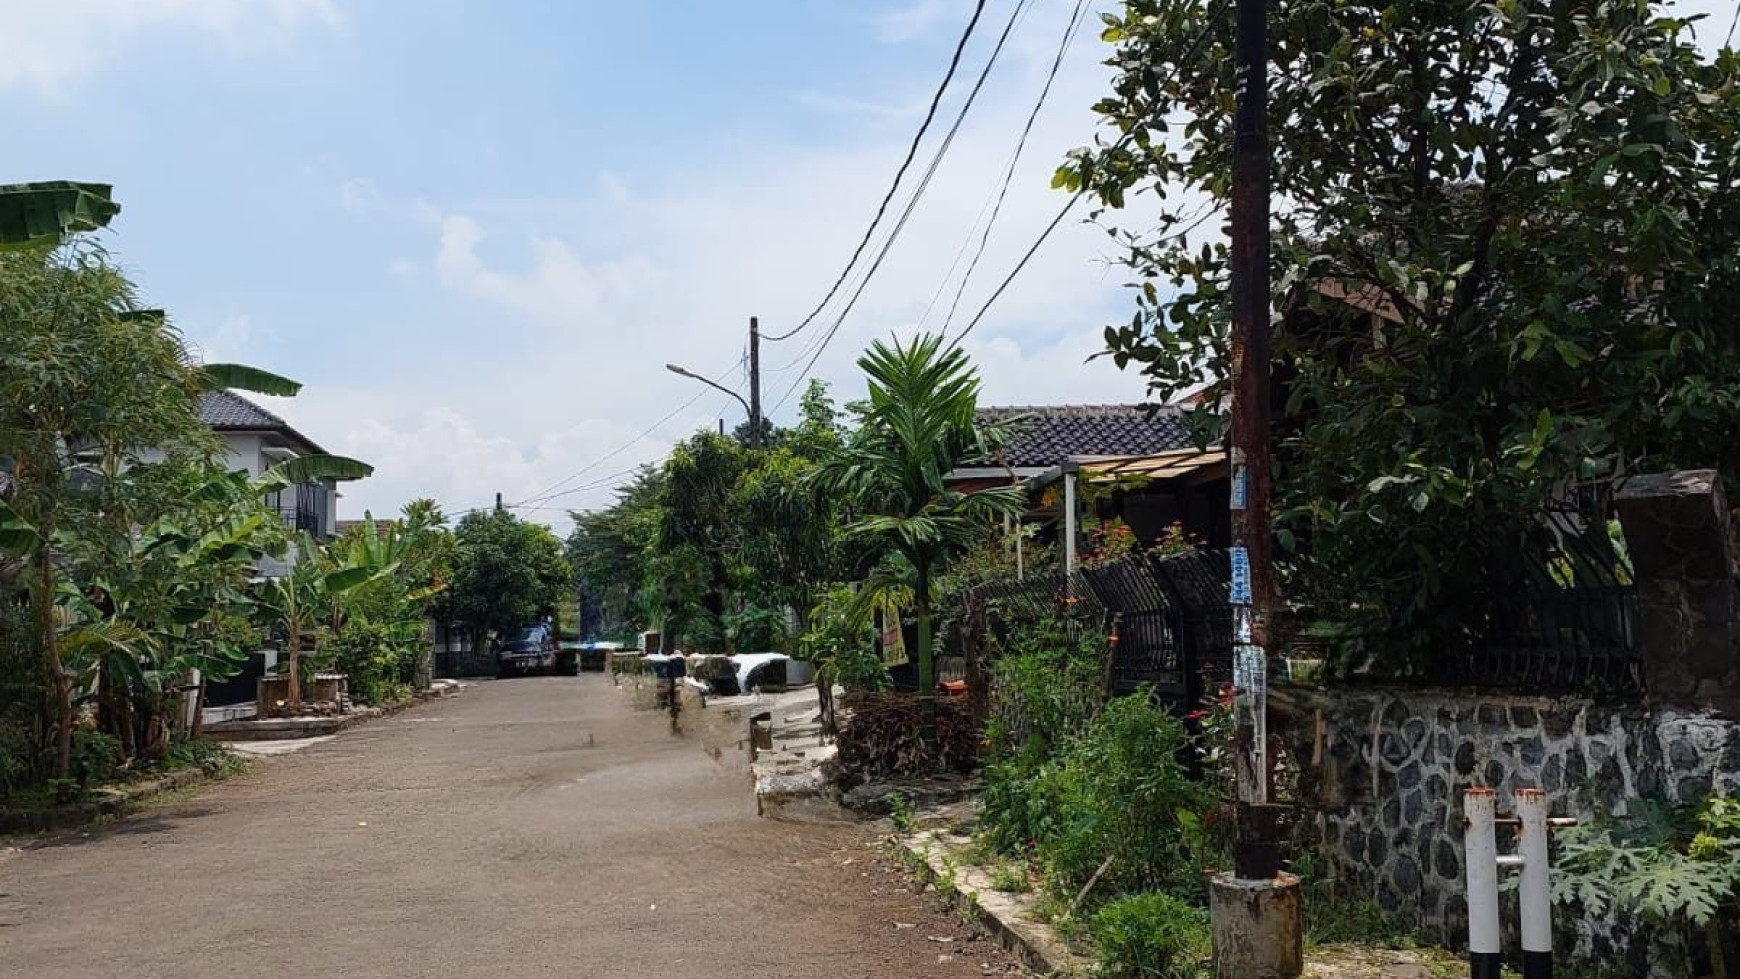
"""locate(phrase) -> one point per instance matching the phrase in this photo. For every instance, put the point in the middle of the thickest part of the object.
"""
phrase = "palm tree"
(919, 424)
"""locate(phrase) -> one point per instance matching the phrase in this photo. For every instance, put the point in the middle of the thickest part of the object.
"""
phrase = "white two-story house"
(257, 439)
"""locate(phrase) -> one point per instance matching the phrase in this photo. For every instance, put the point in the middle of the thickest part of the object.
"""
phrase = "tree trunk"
(926, 658)
(293, 686)
(63, 692)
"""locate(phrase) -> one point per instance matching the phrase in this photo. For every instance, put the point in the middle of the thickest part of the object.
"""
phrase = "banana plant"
(305, 598)
(43, 213)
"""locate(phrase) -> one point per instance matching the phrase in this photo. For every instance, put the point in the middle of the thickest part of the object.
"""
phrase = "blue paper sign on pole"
(1241, 576)
(1240, 490)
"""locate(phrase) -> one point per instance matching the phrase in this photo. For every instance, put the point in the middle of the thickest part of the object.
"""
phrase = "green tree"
(88, 383)
(612, 554)
(919, 423)
(699, 536)
(1507, 247)
(507, 573)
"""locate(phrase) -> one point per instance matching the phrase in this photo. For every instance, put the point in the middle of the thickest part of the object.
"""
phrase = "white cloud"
(913, 19)
(359, 195)
(230, 341)
(54, 42)
(560, 287)
(580, 301)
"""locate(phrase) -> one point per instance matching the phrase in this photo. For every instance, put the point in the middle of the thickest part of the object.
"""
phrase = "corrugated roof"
(1048, 435)
(226, 411)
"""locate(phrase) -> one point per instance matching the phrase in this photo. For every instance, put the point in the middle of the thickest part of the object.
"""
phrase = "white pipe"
(1480, 855)
(1069, 523)
(1534, 896)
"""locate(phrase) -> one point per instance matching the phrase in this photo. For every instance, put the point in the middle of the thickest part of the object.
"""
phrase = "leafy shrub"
(1047, 688)
(96, 757)
(1151, 936)
(24, 701)
(1668, 864)
(1120, 792)
(839, 640)
(377, 657)
(1010, 878)
(757, 629)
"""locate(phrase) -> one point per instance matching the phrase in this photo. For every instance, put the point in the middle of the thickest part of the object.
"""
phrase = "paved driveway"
(526, 828)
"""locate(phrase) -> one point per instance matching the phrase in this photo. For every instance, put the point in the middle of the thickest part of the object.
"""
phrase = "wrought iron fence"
(1567, 618)
(1167, 617)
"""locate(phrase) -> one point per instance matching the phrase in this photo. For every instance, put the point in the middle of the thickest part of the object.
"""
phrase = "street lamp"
(754, 434)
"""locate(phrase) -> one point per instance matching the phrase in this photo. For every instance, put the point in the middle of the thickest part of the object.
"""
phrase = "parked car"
(530, 650)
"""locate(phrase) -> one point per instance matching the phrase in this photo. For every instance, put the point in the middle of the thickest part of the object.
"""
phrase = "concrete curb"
(109, 802)
(1005, 916)
(286, 728)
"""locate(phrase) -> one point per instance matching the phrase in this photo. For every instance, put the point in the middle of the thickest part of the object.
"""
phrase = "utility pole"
(754, 383)
(1255, 909)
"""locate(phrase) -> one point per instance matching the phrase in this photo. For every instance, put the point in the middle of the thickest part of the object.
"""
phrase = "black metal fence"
(1566, 616)
(1564, 619)
(1168, 617)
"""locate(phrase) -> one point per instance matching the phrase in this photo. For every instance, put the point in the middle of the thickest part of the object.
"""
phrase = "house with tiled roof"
(258, 439)
(1139, 463)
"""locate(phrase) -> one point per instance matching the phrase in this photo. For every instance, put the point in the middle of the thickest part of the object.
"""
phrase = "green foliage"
(1151, 936)
(1120, 791)
(1049, 685)
(96, 758)
(901, 814)
(378, 657)
(1672, 866)
(919, 423)
(507, 573)
(756, 629)
(1010, 878)
(1507, 245)
(840, 641)
(1085, 793)
(714, 545)
(613, 553)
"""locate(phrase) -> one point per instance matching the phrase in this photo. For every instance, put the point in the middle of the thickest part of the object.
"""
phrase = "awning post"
(1069, 521)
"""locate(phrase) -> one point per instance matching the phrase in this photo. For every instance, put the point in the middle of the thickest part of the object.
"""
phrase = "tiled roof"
(226, 411)
(1046, 435)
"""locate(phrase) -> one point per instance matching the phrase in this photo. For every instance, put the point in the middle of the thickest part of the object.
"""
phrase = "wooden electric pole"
(754, 383)
(1253, 579)
(1255, 909)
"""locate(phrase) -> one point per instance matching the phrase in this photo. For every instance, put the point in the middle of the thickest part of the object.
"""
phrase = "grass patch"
(1010, 878)
(1345, 920)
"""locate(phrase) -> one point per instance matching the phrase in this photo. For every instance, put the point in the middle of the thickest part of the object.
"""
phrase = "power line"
(942, 149)
(911, 153)
(1069, 33)
(1195, 46)
(544, 493)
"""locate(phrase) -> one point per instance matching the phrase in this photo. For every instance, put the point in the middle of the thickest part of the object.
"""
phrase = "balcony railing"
(303, 508)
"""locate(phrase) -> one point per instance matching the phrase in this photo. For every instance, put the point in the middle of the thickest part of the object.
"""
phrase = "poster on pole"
(1241, 576)
(893, 639)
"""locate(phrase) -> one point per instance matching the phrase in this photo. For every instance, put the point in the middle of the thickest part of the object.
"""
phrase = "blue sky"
(478, 230)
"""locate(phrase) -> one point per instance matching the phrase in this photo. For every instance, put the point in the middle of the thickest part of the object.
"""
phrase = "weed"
(900, 812)
(1010, 878)
(1151, 936)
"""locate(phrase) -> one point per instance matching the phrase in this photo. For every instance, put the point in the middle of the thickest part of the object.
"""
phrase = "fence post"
(1535, 894)
(1480, 855)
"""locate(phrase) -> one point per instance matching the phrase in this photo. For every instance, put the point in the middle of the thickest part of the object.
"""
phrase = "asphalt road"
(526, 828)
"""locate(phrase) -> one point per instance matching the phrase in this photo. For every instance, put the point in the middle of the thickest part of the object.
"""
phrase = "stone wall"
(1383, 771)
